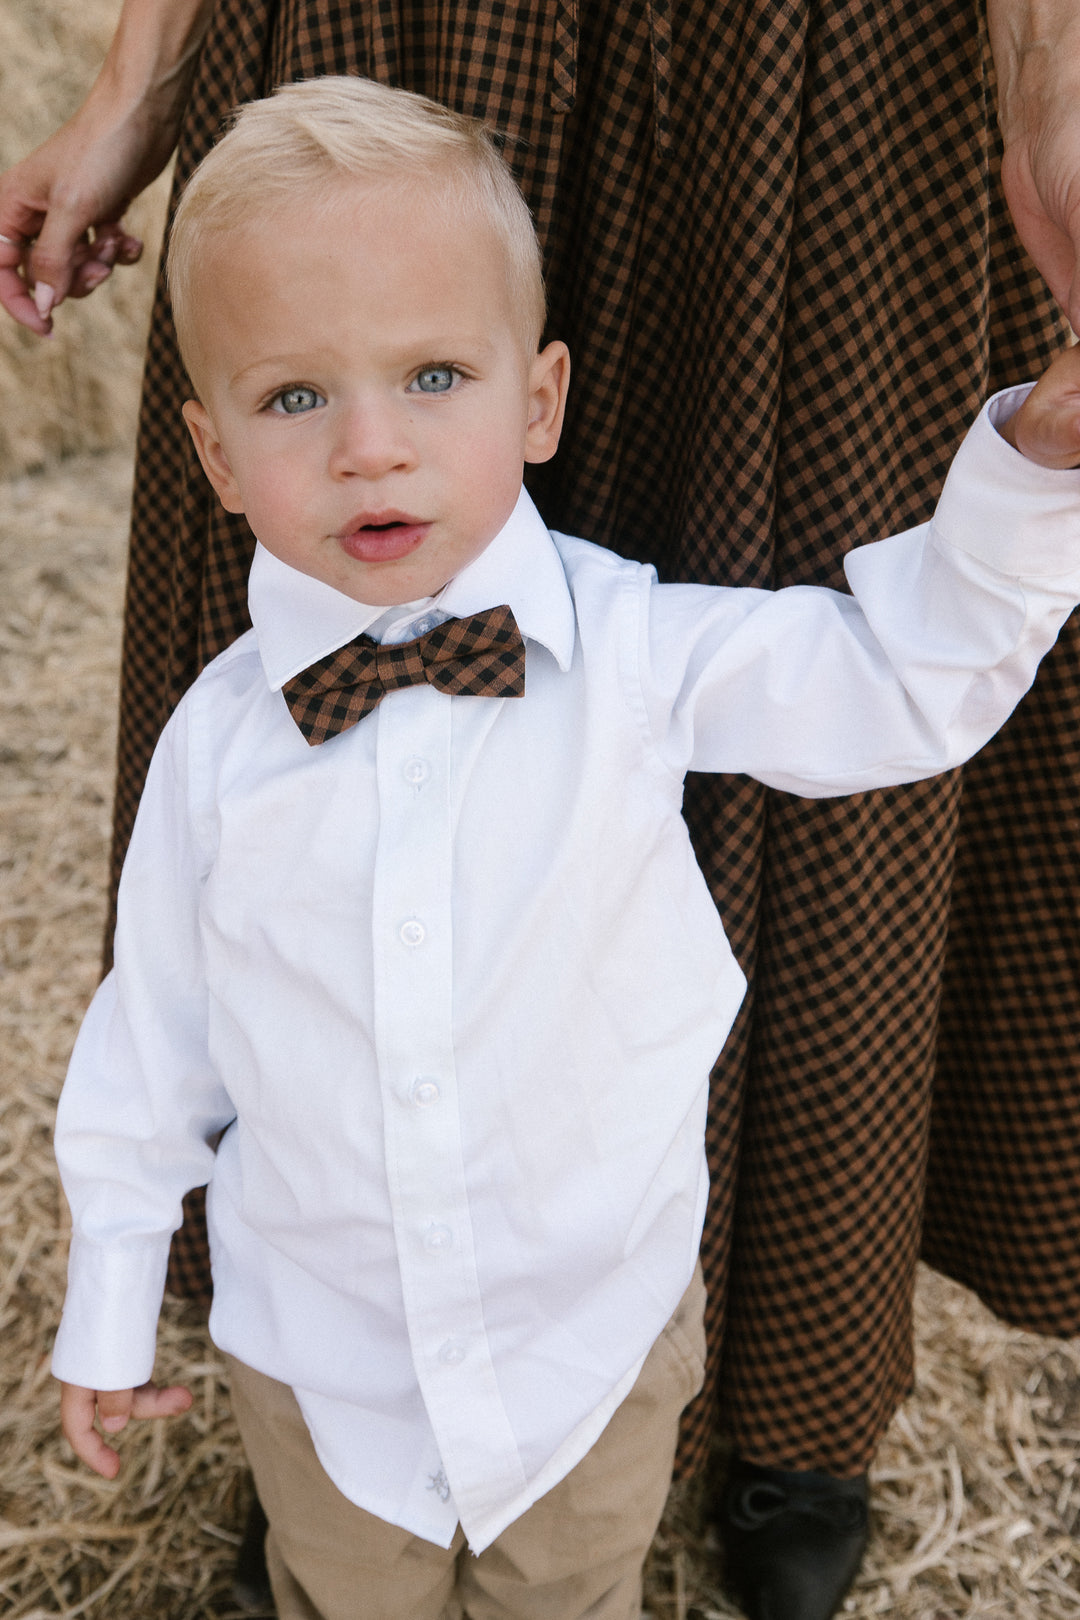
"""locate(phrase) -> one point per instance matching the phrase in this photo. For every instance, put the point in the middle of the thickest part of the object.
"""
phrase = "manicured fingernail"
(113, 1425)
(44, 299)
(95, 274)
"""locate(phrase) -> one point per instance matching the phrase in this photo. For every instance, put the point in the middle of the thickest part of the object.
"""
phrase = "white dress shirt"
(452, 984)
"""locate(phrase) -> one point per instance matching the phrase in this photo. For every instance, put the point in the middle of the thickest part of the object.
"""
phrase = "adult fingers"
(126, 249)
(1073, 305)
(91, 264)
(1046, 428)
(15, 295)
(112, 245)
(56, 254)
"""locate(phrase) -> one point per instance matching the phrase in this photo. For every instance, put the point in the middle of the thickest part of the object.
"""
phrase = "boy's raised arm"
(819, 693)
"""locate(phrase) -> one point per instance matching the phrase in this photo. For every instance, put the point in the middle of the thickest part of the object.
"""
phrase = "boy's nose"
(371, 440)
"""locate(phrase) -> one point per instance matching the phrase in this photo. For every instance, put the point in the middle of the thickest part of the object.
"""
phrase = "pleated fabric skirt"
(776, 247)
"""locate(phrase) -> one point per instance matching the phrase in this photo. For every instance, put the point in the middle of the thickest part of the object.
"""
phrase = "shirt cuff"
(1018, 517)
(108, 1332)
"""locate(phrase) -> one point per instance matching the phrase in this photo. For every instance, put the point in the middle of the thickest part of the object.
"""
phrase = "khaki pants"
(578, 1552)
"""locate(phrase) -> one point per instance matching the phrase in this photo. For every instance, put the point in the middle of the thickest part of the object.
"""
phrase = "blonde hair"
(309, 136)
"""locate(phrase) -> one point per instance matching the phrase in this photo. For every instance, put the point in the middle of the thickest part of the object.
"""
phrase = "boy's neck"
(401, 617)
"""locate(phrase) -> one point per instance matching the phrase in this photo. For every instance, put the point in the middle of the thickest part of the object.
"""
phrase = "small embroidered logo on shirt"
(440, 1485)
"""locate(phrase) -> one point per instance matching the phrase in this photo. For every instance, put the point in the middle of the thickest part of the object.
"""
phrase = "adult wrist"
(147, 73)
(1036, 50)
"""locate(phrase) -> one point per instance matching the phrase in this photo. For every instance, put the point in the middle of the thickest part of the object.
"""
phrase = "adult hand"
(1041, 176)
(1046, 428)
(61, 207)
(1037, 57)
(114, 1407)
(60, 212)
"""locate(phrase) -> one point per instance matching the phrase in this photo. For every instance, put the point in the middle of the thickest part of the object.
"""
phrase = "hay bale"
(79, 390)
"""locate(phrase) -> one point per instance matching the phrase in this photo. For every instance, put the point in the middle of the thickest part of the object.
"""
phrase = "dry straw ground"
(976, 1489)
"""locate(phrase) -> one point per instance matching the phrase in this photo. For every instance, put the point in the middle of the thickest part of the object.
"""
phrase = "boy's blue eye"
(435, 379)
(294, 401)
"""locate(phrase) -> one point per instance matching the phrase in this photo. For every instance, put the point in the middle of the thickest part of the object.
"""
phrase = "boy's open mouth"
(382, 536)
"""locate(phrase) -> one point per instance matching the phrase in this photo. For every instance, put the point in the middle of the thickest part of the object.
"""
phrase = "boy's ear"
(549, 380)
(215, 463)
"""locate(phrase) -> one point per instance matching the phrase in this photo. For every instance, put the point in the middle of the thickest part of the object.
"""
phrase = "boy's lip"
(382, 536)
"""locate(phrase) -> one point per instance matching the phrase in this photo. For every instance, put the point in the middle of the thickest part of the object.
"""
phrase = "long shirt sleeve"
(151, 1104)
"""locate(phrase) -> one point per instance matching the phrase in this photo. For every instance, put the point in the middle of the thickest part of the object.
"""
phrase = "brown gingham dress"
(776, 248)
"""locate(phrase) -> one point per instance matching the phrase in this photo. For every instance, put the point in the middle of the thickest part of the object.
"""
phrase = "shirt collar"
(298, 619)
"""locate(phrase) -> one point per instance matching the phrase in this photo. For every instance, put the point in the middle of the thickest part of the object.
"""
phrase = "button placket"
(413, 981)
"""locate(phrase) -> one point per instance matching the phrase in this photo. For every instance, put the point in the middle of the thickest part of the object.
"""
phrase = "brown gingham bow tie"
(483, 656)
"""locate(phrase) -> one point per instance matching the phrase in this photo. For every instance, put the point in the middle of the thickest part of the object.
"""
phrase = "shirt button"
(412, 933)
(424, 1093)
(416, 771)
(452, 1352)
(421, 626)
(437, 1239)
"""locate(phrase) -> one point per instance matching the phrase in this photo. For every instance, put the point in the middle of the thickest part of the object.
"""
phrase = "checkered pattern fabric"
(1004, 1178)
(483, 656)
(776, 247)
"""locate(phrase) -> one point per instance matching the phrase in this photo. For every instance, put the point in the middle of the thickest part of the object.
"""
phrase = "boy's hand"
(1046, 428)
(114, 1407)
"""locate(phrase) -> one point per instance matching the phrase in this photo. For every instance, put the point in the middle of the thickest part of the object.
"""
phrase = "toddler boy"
(414, 963)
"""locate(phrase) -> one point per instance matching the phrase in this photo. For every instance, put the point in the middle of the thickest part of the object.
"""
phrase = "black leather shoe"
(793, 1542)
(251, 1584)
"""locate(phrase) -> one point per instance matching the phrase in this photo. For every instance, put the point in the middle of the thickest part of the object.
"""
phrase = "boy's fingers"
(92, 1450)
(151, 1402)
(115, 1406)
(77, 1407)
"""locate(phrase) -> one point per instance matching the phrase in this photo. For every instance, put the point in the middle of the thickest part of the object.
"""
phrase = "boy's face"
(368, 395)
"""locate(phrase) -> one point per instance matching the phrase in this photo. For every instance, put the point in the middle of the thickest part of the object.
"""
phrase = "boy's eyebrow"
(285, 364)
(414, 351)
